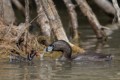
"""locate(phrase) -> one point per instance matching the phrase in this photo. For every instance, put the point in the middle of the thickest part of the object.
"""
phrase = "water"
(53, 70)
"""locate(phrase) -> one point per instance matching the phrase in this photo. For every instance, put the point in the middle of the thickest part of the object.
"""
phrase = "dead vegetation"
(17, 38)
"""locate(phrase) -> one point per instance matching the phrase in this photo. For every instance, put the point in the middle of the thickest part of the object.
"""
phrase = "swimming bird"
(65, 48)
(16, 57)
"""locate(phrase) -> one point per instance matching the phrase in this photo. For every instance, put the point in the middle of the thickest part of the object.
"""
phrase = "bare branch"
(43, 19)
(115, 4)
(27, 11)
(106, 6)
(73, 17)
(87, 11)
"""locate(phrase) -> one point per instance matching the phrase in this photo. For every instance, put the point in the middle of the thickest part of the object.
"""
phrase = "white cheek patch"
(48, 49)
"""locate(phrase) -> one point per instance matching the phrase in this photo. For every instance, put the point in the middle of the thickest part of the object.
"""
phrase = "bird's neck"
(67, 54)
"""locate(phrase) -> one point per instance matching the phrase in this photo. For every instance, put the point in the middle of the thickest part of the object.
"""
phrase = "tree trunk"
(54, 19)
(42, 19)
(106, 6)
(9, 15)
(73, 17)
(85, 8)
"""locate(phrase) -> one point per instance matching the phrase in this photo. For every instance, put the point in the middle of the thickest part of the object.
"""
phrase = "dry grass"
(17, 38)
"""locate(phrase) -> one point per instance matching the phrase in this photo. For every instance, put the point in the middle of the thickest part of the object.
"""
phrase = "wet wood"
(73, 17)
(87, 11)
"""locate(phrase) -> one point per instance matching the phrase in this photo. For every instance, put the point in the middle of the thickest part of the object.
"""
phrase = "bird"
(65, 48)
(16, 57)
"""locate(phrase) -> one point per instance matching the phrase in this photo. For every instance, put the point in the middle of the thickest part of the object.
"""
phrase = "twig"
(7, 31)
(34, 19)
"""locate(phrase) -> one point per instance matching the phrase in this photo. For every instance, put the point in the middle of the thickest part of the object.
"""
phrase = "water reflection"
(52, 70)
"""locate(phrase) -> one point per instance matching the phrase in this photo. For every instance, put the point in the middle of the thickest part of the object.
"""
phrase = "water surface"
(53, 70)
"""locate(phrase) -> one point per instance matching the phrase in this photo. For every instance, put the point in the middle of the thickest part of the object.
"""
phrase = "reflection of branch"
(99, 46)
(115, 4)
